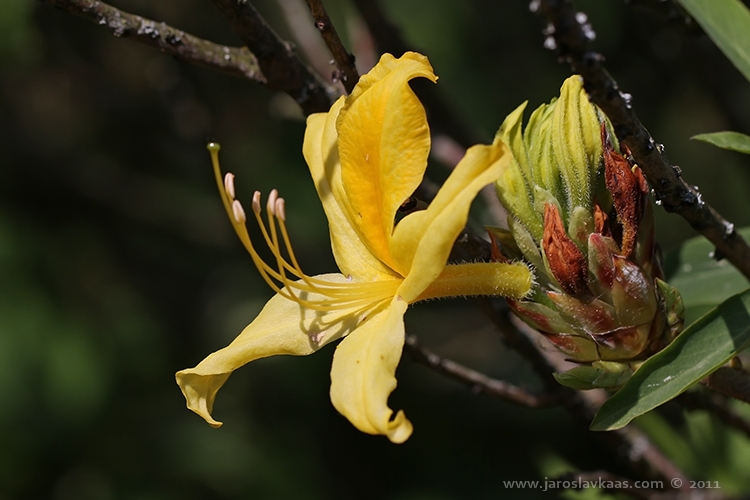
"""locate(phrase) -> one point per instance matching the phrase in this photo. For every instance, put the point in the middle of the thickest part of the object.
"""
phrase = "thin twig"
(235, 61)
(306, 37)
(571, 36)
(282, 68)
(479, 382)
(347, 71)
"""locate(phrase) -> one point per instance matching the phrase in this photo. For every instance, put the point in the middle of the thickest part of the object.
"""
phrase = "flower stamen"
(229, 184)
(238, 212)
(281, 278)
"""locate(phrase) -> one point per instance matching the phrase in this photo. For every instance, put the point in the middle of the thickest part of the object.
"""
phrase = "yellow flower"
(367, 155)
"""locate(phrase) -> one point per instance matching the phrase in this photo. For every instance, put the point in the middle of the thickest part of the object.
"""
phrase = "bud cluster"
(580, 214)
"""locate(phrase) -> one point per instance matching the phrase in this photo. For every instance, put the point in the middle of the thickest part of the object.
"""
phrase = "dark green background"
(118, 267)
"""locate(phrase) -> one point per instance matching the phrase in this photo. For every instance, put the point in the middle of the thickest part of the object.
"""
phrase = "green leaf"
(705, 346)
(733, 141)
(703, 282)
(727, 23)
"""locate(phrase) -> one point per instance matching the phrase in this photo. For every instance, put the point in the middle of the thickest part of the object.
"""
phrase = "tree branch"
(282, 68)
(235, 61)
(479, 382)
(571, 36)
(347, 71)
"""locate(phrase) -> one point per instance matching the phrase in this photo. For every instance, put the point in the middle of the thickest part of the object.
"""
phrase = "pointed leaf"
(702, 348)
(733, 141)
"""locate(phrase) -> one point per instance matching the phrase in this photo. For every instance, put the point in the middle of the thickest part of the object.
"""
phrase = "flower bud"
(579, 213)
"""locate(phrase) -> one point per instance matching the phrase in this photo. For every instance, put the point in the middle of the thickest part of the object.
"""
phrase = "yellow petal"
(321, 153)
(363, 374)
(282, 327)
(384, 141)
(423, 240)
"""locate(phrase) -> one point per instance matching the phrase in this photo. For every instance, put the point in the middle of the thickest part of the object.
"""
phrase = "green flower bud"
(579, 213)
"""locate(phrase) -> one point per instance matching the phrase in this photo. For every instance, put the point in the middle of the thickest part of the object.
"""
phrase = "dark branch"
(347, 71)
(282, 68)
(235, 61)
(479, 382)
(572, 37)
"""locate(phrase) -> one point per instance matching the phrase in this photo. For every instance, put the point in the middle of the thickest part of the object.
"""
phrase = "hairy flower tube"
(367, 155)
(580, 214)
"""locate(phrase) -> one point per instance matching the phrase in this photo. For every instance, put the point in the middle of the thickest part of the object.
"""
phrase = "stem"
(282, 68)
(347, 71)
(479, 382)
(572, 37)
(235, 61)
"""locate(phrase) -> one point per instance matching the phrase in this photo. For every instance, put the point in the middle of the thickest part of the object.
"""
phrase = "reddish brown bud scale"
(495, 254)
(566, 261)
(628, 189)
(600, 221)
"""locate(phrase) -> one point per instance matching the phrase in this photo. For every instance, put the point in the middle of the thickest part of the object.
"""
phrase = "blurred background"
(118, 266)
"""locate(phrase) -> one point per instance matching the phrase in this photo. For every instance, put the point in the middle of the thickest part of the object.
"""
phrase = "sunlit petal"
(384, 142)
(321, 153)
(363, 374)
(423, 240)
(282, 327)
